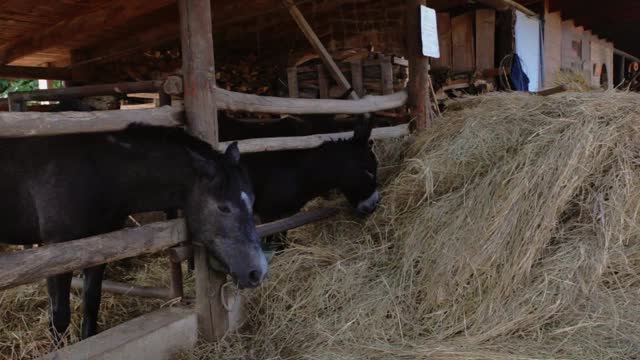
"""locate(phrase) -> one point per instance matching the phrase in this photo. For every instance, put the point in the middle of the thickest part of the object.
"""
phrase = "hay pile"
(510, 232)
(574, 80)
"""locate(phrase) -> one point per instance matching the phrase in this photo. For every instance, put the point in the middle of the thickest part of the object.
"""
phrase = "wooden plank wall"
(485, 38)
(463, 42)
(586, 54)
(444, 38)
(552, 47)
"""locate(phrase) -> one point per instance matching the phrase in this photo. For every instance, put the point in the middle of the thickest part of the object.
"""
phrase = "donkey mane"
(170, 135)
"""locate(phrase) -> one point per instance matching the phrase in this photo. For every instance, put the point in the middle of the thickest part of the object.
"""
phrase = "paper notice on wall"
(429, 29)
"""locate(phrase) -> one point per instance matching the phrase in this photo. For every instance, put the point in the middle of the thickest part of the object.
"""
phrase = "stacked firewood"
(247, 75)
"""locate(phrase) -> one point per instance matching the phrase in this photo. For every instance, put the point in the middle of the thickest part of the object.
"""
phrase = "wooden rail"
(27, 266)
(225, 99)
(230, 100)
(20, 124)
(311, 141)
(88, 90)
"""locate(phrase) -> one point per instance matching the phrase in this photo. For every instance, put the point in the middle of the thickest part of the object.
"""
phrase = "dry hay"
(574, 80)
(24, 316)
(509, 233)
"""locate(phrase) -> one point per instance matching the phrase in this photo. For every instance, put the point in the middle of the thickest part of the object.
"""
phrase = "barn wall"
(571, 47)
(601, 54)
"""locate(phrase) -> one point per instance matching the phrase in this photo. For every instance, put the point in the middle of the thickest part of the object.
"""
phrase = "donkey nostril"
(254, 277)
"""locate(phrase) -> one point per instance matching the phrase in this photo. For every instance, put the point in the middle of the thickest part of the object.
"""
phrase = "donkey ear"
(233, 153)
(201, 164)
(362, 132)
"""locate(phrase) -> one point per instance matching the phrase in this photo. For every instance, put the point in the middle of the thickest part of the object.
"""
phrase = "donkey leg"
(91, 295)
(59, 288)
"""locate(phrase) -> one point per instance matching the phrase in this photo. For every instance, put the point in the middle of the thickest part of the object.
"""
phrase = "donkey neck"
(321, 171)
(154, 177)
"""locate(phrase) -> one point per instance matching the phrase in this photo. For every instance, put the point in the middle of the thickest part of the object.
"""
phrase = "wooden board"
(485, 38)
(444, 37)
(463, 42)
(552, 47)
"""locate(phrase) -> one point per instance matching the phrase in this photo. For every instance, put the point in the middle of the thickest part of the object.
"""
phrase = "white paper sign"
(429, 29)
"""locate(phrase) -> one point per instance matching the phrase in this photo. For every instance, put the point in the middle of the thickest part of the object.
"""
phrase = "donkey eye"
(224, 208)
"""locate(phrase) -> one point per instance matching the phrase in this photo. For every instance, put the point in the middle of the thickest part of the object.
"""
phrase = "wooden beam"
(552, 90)
(19, 124)
(198, 69)
(83, 26)
(34, 72)
(625, 55)
(506, 4)
(323, 82)
(115, 287)
(182, 253)
(27, 266)
(89, 90)
(311, 141)
(326, 58)
(229, 100)
(418, 101)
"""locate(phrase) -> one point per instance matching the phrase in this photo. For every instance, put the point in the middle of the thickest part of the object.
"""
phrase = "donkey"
(284, 181)
(67, 187)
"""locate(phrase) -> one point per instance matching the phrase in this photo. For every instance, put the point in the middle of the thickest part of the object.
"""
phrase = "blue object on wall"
(519, 78)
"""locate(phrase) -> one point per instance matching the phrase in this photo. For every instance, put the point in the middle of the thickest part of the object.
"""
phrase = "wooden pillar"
(80, 70)
(418, 86)
(199, 82)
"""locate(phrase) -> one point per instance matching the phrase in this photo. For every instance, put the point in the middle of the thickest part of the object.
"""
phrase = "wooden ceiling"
(37, 32)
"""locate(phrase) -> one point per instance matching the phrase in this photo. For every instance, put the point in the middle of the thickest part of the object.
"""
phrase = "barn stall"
(146, 66)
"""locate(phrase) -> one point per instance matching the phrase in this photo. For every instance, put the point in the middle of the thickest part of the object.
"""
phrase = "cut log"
(19, 124)
(311, 141)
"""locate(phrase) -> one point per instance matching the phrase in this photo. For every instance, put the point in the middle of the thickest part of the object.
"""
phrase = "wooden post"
(292, 82)
(326, 58)
(386, 70)
(356, 78)
(198, 69)
(418, 69)
(323, 82)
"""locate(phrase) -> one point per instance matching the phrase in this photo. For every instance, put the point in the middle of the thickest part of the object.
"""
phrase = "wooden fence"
(201, 101)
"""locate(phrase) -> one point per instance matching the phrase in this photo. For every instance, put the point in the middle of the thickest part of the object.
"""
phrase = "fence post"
(201, 113)
(418, 69)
